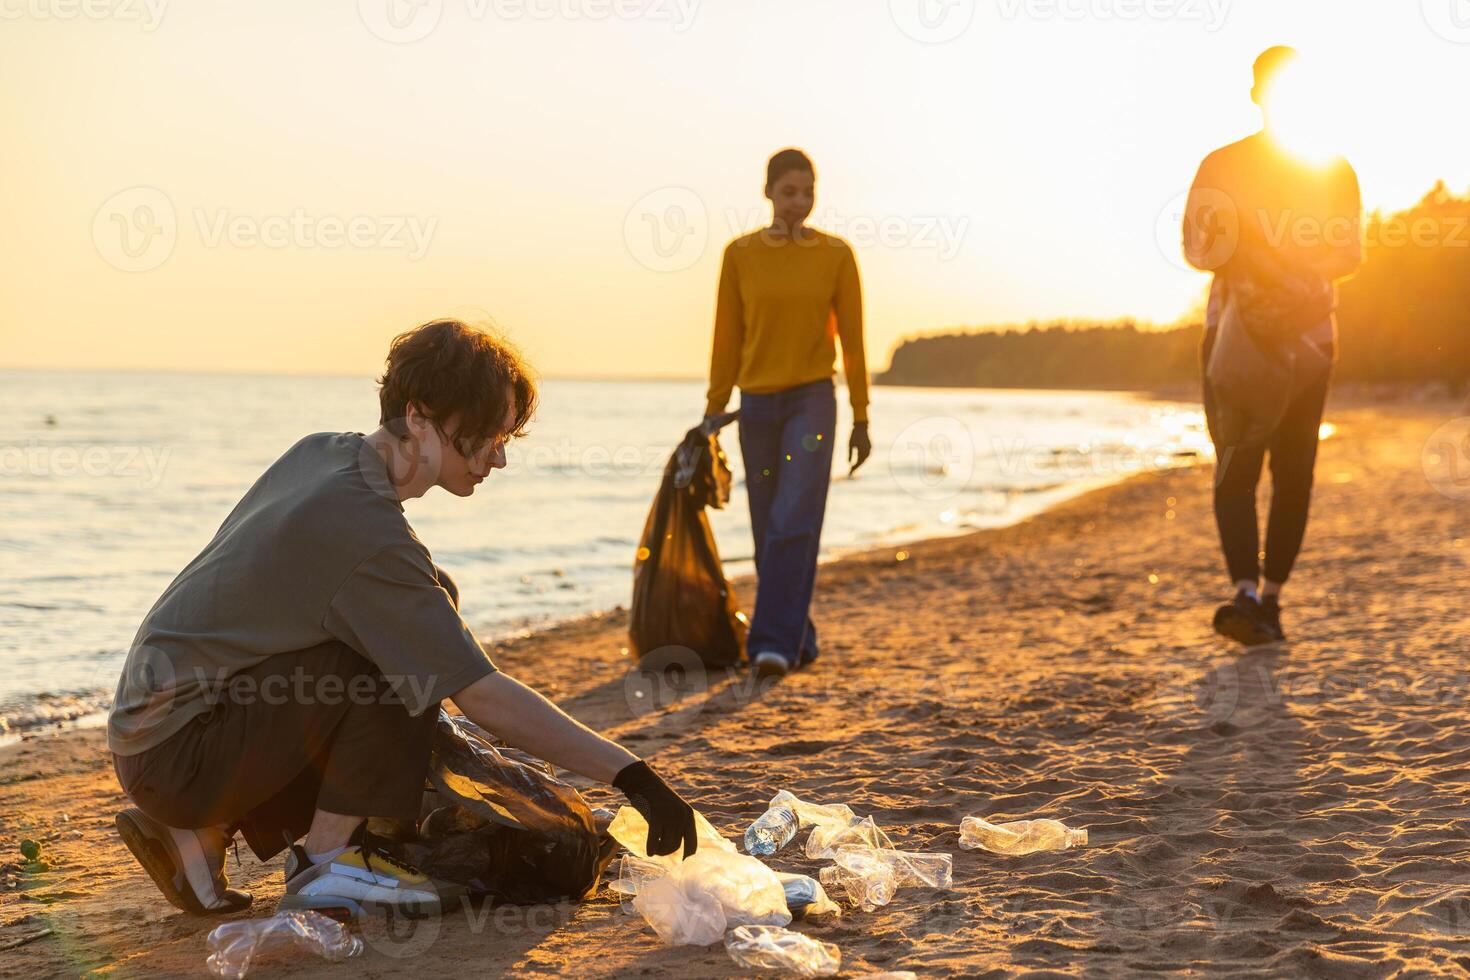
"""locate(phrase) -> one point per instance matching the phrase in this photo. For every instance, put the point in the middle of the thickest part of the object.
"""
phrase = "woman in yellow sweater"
(787, 294)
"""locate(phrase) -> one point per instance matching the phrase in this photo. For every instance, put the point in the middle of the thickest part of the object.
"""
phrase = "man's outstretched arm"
(526, 720)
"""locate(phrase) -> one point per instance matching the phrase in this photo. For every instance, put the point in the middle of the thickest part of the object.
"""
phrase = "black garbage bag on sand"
(501, 823)
(681, 599)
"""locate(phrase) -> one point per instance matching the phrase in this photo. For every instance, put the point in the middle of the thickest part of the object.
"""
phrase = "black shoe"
(1271, 616)
(770, 664)
(186, 865)
(1241, 620)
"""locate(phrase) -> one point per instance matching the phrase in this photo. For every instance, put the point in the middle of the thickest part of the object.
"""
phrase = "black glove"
(670, 819)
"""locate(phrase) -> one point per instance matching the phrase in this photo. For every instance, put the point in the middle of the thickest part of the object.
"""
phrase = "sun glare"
(1301, 114)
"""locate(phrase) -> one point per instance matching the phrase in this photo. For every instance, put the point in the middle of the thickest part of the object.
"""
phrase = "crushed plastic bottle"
(805, 896)
(235, 946)
(868, 881)
(711, 891)
(827, 839)
(771, 831)
(1021, 837)
(776, 948)
(926, 869)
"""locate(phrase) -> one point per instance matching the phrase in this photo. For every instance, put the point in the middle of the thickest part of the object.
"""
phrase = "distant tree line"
(1405, 317)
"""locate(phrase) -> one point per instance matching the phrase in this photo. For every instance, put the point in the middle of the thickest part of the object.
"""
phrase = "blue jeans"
(786, 440)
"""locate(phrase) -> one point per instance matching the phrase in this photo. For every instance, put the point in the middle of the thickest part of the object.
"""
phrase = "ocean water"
(111, 482)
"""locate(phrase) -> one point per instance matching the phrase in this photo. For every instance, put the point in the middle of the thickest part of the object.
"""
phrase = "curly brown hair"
(449, 368)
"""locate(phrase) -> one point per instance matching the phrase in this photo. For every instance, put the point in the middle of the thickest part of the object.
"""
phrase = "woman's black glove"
(670, 819)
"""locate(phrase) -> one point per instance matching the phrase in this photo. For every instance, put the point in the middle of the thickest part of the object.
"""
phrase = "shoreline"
(86, 716)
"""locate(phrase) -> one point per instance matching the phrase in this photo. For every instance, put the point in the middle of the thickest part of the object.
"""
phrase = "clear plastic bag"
(713, 890)
(777, 948)
(235, 946)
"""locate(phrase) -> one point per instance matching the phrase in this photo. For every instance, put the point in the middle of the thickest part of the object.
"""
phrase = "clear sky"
(278, 185)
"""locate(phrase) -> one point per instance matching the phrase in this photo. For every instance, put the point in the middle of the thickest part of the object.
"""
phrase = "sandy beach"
(1296, 810)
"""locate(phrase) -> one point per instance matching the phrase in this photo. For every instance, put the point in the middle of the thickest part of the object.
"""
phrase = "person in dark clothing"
(1262, 215)
(288, 681)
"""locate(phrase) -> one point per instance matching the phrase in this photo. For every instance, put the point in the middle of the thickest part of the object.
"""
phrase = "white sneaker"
(361, 878)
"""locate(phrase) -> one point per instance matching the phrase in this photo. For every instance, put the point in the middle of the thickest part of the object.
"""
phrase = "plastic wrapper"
(709, 892)
(503, 824)
(680, 595)
(235, 947)
(805, 896)
(776, 948)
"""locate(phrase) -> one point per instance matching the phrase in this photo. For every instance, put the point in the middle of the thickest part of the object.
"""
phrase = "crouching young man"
(288, 681)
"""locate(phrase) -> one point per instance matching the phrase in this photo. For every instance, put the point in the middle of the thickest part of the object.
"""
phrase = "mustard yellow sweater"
(781, 307)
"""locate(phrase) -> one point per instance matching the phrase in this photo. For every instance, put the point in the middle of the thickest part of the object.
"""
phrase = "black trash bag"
(681, 598)
(502, 823)
(1260, 360)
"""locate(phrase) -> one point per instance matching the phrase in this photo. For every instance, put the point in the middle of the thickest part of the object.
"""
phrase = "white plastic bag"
(714, 890)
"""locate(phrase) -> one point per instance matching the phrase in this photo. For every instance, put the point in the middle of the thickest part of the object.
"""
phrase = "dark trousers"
(1293, 455)
(314, 729)
(786, 440)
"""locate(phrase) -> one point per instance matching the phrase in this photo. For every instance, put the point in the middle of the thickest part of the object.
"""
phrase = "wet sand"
(1295, 810)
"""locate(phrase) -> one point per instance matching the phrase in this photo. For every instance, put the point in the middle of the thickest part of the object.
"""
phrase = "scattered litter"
(827, 839)
(815, 815)
(771, 831)
(868, 881)
(633, 873)
(805, 896)
(919, 869)
(235, 946)
(1021, 837)
(706, 894)
(775, 948)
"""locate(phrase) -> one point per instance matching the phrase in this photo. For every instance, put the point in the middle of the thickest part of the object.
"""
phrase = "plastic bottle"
(868, 880)
(1021, 837)
(774, 948)
(771, 831)
(234, 946)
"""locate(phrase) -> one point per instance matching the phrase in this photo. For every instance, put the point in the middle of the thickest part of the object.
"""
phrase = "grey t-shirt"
(317, 550)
